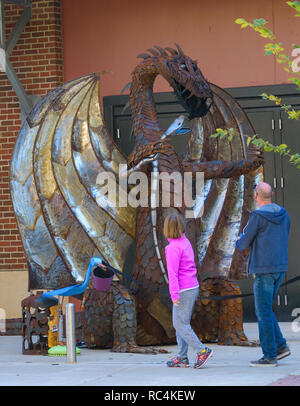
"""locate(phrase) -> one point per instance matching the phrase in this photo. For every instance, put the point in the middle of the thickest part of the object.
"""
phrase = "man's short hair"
(264, 191)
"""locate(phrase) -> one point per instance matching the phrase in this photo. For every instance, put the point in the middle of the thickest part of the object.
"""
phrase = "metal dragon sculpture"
(64, 145)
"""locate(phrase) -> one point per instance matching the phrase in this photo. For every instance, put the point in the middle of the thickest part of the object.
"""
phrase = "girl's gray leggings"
(182, 314)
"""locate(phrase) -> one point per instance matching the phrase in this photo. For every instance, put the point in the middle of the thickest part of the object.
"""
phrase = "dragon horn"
(127, 105)
(161, 50)
(144, 56)
(179, 49)
(126, 87)
(153, 52)
(172, 51)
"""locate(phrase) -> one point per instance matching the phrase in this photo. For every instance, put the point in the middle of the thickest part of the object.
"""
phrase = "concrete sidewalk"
(229, 366)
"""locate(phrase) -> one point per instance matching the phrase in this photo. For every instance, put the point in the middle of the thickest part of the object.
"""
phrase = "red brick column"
(38, 61)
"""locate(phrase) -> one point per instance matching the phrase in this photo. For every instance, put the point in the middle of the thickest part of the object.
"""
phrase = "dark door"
(290, 186)
(274, 126)
(264, 123)
(123, 136)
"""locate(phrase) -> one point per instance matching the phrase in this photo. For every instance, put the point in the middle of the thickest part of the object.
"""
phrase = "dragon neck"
(145, 122)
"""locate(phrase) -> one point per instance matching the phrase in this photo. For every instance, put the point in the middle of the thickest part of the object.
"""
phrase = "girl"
(184, 289)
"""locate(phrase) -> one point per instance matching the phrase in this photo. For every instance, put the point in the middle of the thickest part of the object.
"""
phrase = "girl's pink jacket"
(182, 271)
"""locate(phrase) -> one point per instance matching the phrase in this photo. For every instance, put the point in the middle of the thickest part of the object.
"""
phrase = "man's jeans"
(265, 288)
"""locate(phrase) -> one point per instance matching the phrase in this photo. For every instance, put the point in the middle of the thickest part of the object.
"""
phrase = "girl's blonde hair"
(173, 226)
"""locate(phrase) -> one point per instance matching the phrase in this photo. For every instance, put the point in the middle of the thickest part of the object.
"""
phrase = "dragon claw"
(148, 153)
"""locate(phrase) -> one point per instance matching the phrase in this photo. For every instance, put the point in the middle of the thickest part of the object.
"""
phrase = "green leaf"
(294, 4)
(240, 21)
(258, 22)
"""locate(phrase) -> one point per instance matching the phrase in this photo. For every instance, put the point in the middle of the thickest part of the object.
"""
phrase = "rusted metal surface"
(109, 320)
(34, 326)
(64, 145)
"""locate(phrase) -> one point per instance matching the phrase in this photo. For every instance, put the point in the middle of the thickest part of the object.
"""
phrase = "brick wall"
(38, 62)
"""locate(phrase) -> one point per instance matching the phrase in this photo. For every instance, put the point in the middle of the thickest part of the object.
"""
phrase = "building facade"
(70, 38)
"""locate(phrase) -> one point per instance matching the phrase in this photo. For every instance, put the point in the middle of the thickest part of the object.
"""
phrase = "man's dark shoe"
(263, 362)
(283, 352)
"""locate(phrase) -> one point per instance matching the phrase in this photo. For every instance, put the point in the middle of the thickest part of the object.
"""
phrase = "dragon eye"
(183, 66)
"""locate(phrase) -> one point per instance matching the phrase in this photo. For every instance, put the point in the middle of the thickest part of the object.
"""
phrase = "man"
(267, 233)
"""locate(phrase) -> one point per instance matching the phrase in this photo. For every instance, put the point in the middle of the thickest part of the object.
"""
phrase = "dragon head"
(182, 73)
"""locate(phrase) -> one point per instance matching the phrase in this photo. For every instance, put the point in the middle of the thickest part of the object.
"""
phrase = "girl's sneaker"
(178, 362)
(202, 357)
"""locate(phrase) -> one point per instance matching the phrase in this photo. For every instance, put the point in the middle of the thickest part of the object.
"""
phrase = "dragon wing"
(227, 202)
(61, 149)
